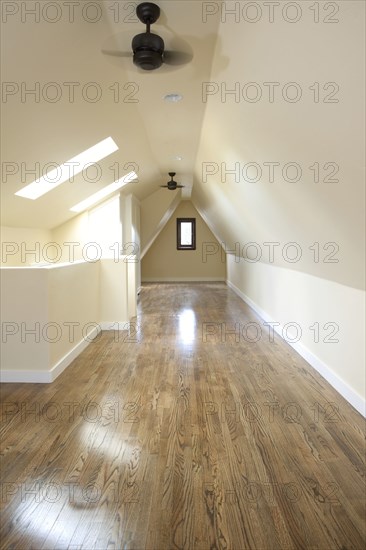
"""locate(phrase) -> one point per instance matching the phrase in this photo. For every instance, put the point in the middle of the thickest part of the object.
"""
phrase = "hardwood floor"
(181, 435)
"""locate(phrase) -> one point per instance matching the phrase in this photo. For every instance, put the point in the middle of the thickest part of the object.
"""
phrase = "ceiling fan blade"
(117, 53)
(176, 58)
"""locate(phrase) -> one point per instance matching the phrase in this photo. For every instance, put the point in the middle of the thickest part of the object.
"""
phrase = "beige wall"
(22, 246)
(73, 297)
(131, 234)
(320, 287)
(325, 320)
(163, 262)
(237, 132)
(75, 232)
(24, 295)
(49, 313)
(76, 237)
(156, 210)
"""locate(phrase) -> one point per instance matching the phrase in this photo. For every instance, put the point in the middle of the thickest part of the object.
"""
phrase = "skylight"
(69, 169)
(108, 190)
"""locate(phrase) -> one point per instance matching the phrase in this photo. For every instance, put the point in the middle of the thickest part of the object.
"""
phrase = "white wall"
(100, 225)
(73, 297)
(22, 246)
(67, 305)
(325, 130)
(335, 343)
(113, 293)
(95, 289)
(131, 230)
(24, 302)
(156, 210)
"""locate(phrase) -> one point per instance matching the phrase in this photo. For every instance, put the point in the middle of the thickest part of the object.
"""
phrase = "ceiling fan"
(148, 49)
(171, 184)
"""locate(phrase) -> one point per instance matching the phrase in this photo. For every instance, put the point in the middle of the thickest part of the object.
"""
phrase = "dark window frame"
(181, 246)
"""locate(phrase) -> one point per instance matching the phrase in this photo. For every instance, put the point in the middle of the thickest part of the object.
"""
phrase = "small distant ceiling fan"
(148, 49)
(171, 184)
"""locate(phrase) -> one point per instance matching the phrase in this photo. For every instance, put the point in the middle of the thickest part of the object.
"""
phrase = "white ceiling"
(150, 133)
(324, 47)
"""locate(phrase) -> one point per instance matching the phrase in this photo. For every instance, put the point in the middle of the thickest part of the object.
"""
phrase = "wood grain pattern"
(182, 434)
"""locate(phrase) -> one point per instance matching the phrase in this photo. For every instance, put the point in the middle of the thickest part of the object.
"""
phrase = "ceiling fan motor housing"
(148, 49)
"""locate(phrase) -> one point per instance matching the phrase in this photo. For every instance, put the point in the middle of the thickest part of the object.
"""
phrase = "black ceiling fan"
(171, 184)
(148, 49)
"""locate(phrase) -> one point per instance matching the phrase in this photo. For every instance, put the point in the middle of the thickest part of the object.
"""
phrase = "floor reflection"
(187, 326)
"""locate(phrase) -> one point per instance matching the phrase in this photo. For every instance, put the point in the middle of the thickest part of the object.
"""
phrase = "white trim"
(162, 223)
(44, 265)
(183, 280)
(46, 377)
(209, 225)
(356, 400)
(25, 376)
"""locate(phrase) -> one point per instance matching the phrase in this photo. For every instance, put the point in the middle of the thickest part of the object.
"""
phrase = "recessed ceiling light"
(108, 190)
(68, 170)
(173, 98)
(178, 158)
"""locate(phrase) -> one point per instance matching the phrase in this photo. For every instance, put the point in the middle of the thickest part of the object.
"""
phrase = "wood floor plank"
(183, 434)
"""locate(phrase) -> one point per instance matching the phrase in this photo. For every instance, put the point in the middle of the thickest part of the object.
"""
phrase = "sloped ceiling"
(321, 52)
(150, 133)
(243, 134)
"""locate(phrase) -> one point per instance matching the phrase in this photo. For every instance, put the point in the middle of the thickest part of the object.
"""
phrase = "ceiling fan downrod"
(148, 48)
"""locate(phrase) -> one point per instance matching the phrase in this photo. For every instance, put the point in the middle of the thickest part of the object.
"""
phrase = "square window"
(186, 233)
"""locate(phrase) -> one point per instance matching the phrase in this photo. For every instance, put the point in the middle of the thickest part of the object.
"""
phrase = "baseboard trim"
(46, 377)
(325, 370)
(25, 376)
(184, 280)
